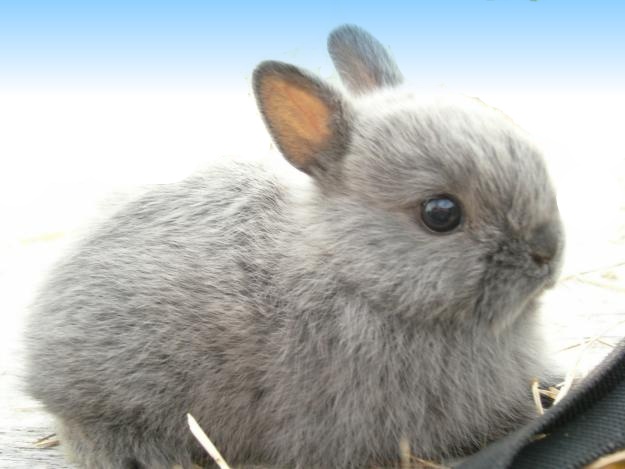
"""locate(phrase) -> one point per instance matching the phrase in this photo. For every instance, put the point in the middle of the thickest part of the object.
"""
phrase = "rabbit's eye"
(441, 213)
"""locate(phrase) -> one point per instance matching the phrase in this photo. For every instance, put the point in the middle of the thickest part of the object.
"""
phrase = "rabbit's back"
(151, 315)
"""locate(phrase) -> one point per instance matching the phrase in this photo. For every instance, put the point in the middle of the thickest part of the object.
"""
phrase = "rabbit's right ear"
(362, 61)
(306, 118)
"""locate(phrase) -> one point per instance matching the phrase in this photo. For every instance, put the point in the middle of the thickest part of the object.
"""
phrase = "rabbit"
(390, 295)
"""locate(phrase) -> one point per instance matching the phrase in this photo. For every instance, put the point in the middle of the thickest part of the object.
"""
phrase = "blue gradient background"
(504, 44)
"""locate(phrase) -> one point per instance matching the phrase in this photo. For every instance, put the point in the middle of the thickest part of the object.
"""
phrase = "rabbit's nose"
(544, 243)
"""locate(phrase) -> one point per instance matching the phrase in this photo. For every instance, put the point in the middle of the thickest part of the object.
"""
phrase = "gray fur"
(314, 327)
(362, 61)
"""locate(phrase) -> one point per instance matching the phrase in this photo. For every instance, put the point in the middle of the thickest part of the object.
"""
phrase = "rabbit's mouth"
(509, 293)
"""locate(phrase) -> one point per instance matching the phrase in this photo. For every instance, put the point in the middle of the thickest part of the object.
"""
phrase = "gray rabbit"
(392, 295)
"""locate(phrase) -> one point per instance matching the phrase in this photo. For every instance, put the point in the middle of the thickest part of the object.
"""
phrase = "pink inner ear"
(298, 117)
(360, 76)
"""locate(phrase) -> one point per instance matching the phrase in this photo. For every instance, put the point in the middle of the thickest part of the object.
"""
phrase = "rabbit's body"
(310, 326)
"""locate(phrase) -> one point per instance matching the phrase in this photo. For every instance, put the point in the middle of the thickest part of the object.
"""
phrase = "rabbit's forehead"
(418, 148)
(392, 100)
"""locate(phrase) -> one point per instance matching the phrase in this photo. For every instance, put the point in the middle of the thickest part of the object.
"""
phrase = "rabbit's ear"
(362, 62)
(307, 118)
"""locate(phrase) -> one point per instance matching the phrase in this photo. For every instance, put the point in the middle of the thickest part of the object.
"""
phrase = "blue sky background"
(508, 44)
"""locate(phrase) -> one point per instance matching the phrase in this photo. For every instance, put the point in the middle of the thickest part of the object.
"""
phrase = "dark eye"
(441, 213)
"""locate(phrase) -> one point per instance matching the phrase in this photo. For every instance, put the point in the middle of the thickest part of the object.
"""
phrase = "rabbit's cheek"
(511, 281)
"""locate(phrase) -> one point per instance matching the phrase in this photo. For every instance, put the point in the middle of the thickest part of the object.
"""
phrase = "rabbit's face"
(507, 244)
(440, 210)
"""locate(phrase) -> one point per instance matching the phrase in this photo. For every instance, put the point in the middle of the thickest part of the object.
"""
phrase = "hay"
(48, 441)
(408, 461)
(611, 461)
(602, 270)
(206, 443)
(404, 453)
(573, 372)
(536, 395)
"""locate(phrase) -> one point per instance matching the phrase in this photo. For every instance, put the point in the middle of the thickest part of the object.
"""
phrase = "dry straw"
(206, 443)
(611, 461)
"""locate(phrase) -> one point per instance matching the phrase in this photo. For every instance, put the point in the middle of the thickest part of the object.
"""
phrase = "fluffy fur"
(313, 328)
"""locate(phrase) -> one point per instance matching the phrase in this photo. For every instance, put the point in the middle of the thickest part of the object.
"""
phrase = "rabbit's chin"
(505, 322)
(500, 313)
(510, 293)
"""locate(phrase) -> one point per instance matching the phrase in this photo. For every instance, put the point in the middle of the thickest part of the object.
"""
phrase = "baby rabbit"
(392, 297)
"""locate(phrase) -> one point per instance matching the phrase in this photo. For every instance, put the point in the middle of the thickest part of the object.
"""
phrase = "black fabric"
(588, 423)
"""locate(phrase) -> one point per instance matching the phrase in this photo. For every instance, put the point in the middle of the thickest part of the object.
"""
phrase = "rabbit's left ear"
(362, 61)
(306, 118)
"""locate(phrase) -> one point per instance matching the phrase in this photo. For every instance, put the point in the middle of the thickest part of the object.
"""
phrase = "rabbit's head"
(439, 209)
